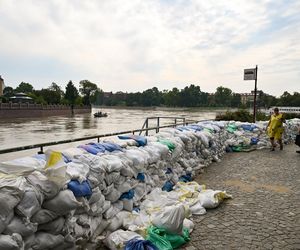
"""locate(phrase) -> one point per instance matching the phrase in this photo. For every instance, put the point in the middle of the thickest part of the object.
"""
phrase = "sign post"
(251, 74)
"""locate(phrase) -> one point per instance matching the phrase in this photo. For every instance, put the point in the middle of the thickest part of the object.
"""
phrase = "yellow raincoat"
(276, 127)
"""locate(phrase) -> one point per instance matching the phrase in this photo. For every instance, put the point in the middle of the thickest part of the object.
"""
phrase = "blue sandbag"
(98, 146)
(141, 177)
(109, 146)
(90, 149)
(168, 186)
(80, 189)
(136, 244)
(127, 195)
(254, 141)
(248, 127)
(141, 140)
(186, 178)
(169, 171)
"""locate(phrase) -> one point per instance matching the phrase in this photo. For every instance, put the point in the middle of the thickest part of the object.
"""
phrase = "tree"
(236, 100)
(71, 93)
(223, 97)
(8, 91)
(87, 89)
(24, 87)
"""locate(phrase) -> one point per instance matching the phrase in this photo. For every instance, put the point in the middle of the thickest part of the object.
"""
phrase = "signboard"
(249, 74)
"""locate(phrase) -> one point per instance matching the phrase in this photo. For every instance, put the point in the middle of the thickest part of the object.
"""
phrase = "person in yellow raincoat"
(275, 129)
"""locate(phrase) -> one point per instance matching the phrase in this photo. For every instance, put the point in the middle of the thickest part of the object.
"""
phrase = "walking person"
(275, 129)
(297, 141)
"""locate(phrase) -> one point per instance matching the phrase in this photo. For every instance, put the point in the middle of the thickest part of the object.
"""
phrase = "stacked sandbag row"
(62, 200)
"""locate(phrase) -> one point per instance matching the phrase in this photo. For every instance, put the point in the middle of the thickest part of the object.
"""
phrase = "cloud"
(134, 45)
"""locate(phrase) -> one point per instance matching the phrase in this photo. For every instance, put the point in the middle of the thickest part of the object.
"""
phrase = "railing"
(146, 123)
(158, 120)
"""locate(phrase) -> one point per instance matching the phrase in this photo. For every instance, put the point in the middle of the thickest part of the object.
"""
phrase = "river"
(24, 131)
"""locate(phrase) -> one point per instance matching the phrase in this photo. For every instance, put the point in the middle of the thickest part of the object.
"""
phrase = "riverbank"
(26, 110)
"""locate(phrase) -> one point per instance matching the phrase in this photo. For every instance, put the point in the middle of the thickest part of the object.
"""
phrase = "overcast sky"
(133, 45)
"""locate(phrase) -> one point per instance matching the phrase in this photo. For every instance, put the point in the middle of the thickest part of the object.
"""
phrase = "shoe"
(281, 147)
(272, 149)
(298, 151)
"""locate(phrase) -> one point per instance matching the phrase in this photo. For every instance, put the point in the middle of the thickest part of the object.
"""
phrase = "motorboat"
(100, 114)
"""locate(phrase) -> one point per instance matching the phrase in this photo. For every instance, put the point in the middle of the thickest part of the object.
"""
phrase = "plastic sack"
(136, 244)
(141, 140)
(212, 198)
(11, 242)
(46, 241)
(80, 189)
(22, 166)
(118, 239)
(171, 219)
(171, 146)
(164, 241)
(168, 186)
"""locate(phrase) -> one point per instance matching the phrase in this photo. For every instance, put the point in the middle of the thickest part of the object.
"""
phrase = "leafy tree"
(8, 91)
(223, 97)
(151, 97)
(71, 93)
(97, 97)
(87, 89)
(24, 87)
(190, 96)
(236, 100)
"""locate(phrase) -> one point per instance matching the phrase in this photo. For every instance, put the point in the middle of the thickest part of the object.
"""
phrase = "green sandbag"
(165, 241)
(169, 144)
(231, 128)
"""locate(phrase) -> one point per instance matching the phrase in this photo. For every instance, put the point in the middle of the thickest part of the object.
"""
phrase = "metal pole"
(255, 91)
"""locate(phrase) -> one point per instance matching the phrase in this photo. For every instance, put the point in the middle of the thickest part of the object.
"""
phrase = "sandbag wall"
(63, 200)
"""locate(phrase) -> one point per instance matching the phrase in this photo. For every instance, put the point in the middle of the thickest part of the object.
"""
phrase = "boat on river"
(100, 114)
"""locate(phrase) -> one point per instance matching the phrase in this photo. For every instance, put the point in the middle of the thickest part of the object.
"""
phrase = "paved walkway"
(265, 210)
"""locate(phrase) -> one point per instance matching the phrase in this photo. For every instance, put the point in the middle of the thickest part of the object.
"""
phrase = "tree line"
(190, 96)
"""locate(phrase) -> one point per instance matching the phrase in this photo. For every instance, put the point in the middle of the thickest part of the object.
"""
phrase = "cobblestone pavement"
(265, 210)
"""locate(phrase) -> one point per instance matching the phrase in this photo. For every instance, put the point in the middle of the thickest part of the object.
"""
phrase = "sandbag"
(44, 241)
(54, 227)
(82, 189)
(171, 219)
(21, 226)
(118, 239)
(11, 242)
(136, 244)
(212, 198)
(43, 216)
(62, 203)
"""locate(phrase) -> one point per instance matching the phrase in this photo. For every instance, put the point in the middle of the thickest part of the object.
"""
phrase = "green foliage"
(87, 89)
(8, 92)
(242, 115)
(71, 93)
(24, 87)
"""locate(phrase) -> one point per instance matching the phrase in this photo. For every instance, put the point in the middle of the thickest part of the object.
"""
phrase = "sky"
(135, 45)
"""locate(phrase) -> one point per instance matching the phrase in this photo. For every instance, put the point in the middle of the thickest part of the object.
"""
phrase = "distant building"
(1, 86)
(21, 98)
(249, 97)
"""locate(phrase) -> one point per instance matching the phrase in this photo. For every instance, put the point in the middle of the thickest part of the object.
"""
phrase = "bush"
(242, 115)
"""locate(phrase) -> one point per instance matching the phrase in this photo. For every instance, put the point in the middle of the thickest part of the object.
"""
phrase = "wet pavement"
(265, 210)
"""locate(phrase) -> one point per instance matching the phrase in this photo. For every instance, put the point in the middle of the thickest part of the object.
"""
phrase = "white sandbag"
(212, 198)
(77, 170)
(96, 196)
(62, 203)
(188, 224)
(30, 203)
(46, 241)
(21, 226)
(197, 209)
(22, 166)
(101, 227)
(124, 187)
(43, 216)
(11, 242)
(114, 163)
(48, 188)
(117, 221)
(55, 168)
(113, 210)
(128, 205)
(118, 239)
(113, 195)
(4, 223)
(171, 219)
(72, 153)
(53, 227)
(112, 177)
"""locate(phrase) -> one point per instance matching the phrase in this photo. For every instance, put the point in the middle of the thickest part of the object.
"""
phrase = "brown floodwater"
(27, 131)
